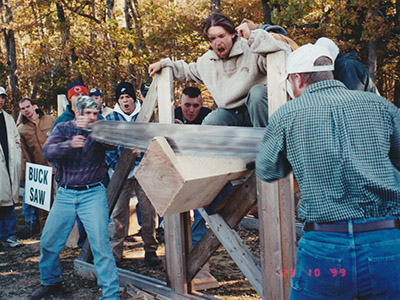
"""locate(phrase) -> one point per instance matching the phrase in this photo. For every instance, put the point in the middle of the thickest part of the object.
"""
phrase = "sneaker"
(151, 259)
(30, 229)
(11, 242)
(46, 290)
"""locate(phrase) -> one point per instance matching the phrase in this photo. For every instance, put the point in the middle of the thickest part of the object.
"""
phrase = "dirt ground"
(19, 270)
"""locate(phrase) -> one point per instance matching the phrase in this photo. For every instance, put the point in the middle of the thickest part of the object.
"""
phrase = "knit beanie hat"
(75, 88)
(85, 102)
(125, 88)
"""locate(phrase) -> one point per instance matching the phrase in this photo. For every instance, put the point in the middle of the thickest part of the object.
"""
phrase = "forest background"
(47, 44)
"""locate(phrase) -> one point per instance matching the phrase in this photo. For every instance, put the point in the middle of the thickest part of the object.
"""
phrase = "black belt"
(80, 187)
(357, 227)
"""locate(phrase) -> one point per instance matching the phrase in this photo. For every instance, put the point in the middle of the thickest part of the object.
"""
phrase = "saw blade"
(183, 138)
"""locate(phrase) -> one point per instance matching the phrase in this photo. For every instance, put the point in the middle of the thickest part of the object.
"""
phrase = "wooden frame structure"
(271, 280)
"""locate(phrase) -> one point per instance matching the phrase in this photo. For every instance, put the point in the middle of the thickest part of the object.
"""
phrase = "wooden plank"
(174, 230)
(236, 249)
(61, 104)
(166, 97)
(175, 253)
(276, 206)
(241, 198)
(140, 281)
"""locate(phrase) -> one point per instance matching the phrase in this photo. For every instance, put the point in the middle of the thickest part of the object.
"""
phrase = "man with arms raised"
(344, 149)
(234, 71)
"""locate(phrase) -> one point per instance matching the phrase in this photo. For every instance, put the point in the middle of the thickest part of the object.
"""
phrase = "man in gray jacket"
(234, 70)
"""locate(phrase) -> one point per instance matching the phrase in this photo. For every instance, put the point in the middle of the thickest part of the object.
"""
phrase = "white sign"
(38, 185)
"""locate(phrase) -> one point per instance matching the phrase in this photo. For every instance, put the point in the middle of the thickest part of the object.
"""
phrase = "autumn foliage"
(103, 42)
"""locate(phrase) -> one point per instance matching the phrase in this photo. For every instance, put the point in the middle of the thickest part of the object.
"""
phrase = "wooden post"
(175, 241)
(61, 104)
(276, 206)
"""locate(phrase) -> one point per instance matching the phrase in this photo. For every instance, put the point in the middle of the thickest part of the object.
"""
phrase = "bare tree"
(9, 39)
(266, 11)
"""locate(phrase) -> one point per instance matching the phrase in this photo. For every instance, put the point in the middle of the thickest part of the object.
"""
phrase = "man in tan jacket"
(10, 170)
(234, 70)
(34, 131)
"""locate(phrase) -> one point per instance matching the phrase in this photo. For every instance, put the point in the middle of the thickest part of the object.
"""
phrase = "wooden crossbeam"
(140, 281)
(236, 204)
(236, 249)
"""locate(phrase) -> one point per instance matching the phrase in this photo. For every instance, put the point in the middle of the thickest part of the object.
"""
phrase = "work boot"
(46, 290)
(151, 259)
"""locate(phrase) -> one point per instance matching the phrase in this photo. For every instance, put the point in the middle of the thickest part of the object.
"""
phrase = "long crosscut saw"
(186, 139)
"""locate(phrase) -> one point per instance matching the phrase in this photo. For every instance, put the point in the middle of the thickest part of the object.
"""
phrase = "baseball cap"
(2, 91)
(94, 91)
(144, 88)
(303, 58)
(86, 102)
(76, 88)
(328, 44)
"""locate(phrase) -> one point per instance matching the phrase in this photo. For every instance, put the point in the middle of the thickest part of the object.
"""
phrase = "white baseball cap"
(328, 44)
(303, 58)
(2, 91)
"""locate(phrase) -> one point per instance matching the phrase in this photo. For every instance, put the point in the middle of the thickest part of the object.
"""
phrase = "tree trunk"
(9, 39)
(266, 12)
(215, 5)
(396, 96)
(372, 44)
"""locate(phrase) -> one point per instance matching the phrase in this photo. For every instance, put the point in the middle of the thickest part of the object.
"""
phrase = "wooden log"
(181, 182)
(140, 281)
(276, 206)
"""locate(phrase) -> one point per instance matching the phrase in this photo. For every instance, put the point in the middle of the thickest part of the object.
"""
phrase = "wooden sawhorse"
(276, 216)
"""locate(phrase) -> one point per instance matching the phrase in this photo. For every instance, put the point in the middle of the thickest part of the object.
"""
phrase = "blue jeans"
(29, 211)
(8, 221)
(199, 225)
(254, 113)
(92, 209)
(344, 266)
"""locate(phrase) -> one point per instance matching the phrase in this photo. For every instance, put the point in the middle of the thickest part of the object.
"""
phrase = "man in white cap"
(344, 149)
(10, 171)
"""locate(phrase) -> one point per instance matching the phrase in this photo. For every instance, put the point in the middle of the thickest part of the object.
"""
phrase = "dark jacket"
(350, 71)
(204, 111)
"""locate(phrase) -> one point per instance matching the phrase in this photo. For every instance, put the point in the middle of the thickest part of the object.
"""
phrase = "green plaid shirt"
(344, 149)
